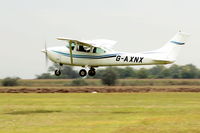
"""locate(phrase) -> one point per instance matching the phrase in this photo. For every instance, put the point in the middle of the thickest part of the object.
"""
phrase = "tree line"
(188, 71)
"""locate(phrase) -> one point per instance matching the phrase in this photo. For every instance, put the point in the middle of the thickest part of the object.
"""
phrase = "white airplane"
(96, 53)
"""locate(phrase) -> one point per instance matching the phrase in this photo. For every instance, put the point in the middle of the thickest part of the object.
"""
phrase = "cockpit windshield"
(72, 44)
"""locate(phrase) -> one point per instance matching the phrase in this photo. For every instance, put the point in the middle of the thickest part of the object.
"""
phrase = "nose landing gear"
(57, 72)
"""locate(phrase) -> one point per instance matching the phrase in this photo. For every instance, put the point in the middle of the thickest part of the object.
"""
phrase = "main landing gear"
(82, 72)
(91, 72)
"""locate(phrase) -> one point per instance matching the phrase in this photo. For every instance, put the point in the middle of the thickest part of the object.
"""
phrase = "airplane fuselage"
(112, 58)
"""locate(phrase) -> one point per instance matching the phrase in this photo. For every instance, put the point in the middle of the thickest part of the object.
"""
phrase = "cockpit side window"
(98, 50)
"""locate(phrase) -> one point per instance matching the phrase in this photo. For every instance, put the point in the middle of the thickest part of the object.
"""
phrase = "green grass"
(100, 113)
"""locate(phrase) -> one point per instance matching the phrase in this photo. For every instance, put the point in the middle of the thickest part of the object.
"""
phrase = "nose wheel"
(57, 72)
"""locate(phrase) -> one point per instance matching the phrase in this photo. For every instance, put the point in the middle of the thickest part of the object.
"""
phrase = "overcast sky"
(137, 25)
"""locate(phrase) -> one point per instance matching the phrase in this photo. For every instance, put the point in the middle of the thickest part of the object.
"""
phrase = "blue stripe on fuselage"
(87, 56)
(179, 43)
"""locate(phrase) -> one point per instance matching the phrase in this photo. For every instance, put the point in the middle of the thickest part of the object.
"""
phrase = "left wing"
(76, 41)
(101, 43)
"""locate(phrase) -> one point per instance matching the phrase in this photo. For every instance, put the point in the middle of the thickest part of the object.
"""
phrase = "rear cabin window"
(98, 50)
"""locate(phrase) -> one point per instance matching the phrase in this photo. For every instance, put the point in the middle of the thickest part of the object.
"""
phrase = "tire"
(82, 72)
(91, 72)
(57, 72)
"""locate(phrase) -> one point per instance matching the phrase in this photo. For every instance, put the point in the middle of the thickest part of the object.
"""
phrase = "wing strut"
(70, 49)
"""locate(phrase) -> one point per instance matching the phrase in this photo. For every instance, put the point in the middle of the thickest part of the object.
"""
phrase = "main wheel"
(57, 72)
(82, 72)
(91, 72)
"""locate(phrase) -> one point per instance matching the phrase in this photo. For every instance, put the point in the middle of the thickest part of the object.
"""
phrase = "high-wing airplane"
(96, 53)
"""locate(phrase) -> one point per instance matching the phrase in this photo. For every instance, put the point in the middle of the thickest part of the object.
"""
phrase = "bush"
(44, 76)
(10, 81)
(79, 82)
(109, 77)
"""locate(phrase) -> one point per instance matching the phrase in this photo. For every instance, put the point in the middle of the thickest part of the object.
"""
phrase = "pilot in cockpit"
(82, 48)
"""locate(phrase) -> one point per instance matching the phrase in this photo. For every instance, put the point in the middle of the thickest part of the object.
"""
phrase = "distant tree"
(127, 72)
(175, 71)
(165, 74)
(10, 81)
(109, 76)
(156, 71)
(198, 74)
(189, 71)
(44, 76)
(142, 73)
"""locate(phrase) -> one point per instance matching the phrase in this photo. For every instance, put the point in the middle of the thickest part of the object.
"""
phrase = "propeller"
(46, 54)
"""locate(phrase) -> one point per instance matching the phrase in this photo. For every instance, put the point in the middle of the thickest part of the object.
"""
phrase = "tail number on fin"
(130, 59)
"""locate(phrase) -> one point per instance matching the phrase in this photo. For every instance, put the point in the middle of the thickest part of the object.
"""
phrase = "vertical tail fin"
(172, 47)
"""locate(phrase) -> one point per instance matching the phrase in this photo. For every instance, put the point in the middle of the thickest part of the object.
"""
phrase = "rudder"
(172, 47)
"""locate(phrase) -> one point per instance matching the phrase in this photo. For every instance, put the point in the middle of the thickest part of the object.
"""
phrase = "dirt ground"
(100, 89)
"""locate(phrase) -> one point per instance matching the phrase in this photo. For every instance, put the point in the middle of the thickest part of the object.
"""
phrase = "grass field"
(100, 113)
